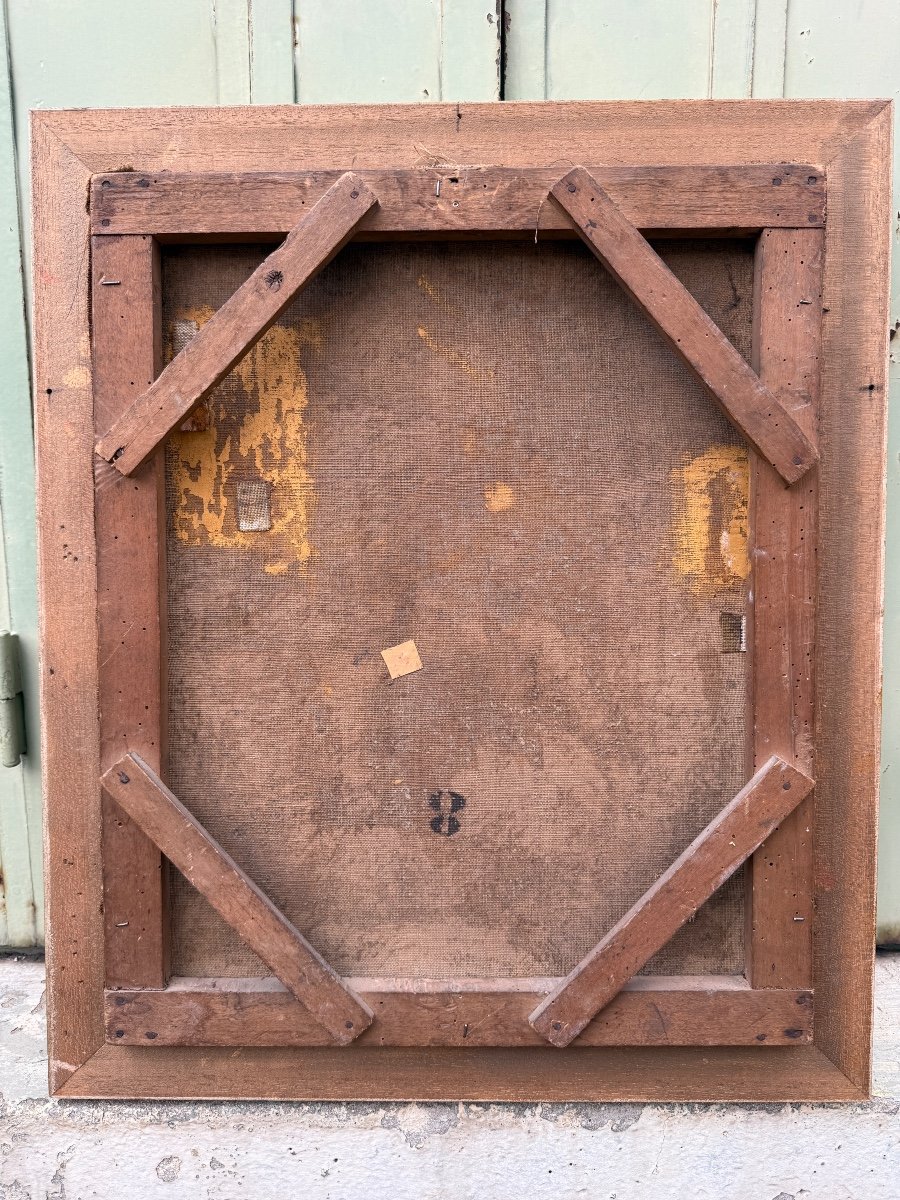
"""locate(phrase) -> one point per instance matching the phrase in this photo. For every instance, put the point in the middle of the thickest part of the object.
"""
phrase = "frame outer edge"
(718, 1075)
(848, 666)
(67, 590)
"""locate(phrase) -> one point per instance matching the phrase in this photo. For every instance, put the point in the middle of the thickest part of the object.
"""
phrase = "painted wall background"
(108, 53)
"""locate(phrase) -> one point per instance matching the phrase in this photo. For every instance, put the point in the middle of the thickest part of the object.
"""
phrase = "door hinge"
(12, 706)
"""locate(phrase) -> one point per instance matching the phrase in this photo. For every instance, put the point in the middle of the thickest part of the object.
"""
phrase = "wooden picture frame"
(811, 180)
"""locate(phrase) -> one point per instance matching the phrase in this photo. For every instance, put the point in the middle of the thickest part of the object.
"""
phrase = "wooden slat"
(715, 854)
(649, 1011)
(853, 428)
(238, 325)
(126, 359)
(651, 1074)
(487, 200)
(632, 262)
(162, 817)
(787, 328)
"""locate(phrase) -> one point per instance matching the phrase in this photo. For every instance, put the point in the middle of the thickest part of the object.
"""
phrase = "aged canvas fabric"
(486, 449)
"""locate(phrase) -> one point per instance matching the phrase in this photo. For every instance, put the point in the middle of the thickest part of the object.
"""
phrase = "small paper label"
(402, 660)
(253, 506)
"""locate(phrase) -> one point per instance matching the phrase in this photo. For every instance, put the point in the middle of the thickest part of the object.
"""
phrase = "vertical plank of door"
(130, 571)
(470, 49)
(769, 36)
(731, 49)
(787, 322)
(433, 50)
(231, 37)
(605, 50)
(21, 889)
(525, 65)
(271, 27)
(348, 53)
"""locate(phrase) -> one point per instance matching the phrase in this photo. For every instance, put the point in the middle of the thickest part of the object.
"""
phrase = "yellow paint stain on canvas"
(430, 290)
(711, 525)
(471, 443)
(454, 357)
(77, 377)
(499, 497)
(269, 441)
(437, 296)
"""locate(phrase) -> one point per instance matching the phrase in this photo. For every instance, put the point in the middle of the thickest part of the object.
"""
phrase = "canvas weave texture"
(486, 449)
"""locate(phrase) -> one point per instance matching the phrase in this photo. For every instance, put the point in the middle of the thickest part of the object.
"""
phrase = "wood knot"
(274, 280)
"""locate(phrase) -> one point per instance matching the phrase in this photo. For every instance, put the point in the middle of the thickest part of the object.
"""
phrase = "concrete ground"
(51, 1150)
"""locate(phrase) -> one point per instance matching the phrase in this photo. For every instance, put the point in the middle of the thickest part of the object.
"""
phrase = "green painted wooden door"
(67, 53)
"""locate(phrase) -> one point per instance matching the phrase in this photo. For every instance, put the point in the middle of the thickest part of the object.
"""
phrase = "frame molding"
(851, 139)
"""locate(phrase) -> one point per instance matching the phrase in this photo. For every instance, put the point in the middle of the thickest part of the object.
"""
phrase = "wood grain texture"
(397, 136)
(487, 200)
(640, 1074)
(68, 593)
(237, 326)
(852, 140)
(690, 332)
(774, 791)
(649, 1011)
(852, 429)
(787, 334)
(164, 819)
(126, 356)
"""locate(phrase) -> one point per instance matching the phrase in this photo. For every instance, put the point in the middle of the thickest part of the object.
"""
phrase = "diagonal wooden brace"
(203, 862)
(692, 334)
(730, 838)
(238, 325)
